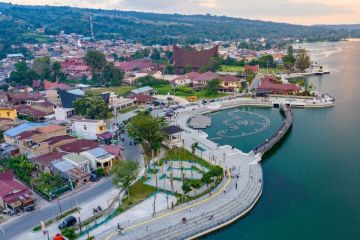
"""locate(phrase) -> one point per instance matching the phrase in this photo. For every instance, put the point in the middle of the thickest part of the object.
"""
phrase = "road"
(28, 221)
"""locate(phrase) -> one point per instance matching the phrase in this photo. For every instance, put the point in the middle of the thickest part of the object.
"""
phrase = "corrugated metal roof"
(63, 165)
(23, 127)
(98, 152)
(142, 89)
(75, 158)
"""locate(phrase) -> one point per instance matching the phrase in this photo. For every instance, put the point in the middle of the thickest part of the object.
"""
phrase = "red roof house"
(55, 85)
(13, 194)
(254, 69)
(268, 85)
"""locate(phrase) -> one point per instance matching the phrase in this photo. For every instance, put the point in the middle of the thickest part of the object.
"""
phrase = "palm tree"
(194, 146)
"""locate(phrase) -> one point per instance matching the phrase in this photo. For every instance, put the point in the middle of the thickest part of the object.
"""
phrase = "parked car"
(29, 208)
(68, 222)
(94, 177)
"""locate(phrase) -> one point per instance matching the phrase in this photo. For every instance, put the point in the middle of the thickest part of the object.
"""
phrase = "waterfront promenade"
(232, 199)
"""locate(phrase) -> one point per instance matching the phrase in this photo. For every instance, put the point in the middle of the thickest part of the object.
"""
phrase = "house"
(24, 97)
(138, 65)
(39, 141)
(270, 85)
(142, 99)
(6, 124)
(44, 106)
(8, 112)
(8, 150)
(184, 58)
(115, 150)
(78, 146)
(11, 134)
(43, 162)
(14, 195)
(68, 170)
(202, 80)
(55, 85)
(255, 69)
(3, 98)
(173, 136)
(62, 114)
(88, 129)
(76, 69)
(78, 160)
(99, 158)
(229, 83)
(143, 90)
(30, 113)
(184, 79)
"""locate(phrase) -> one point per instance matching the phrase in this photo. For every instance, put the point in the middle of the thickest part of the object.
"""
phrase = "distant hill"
(18, 24)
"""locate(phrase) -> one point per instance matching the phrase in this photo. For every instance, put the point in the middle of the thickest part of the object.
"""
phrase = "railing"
(275, 138)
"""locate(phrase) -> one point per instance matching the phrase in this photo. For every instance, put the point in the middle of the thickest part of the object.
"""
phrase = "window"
(8, 113)
(106, 164)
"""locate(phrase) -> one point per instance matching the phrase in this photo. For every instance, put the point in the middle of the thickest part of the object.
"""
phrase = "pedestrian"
(147, 227)
(224, 190)
(191, 209)
(236, 186)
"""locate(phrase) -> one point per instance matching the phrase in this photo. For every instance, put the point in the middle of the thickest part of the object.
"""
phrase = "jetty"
(276, 137)
(200, 122)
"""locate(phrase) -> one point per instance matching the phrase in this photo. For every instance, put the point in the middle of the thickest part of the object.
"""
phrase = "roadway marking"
(172, 212)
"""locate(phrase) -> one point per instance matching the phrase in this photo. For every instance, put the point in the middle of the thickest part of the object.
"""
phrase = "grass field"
(226, 68)
(184, 155)
(185, 91)
(138, 192)
(120, 90)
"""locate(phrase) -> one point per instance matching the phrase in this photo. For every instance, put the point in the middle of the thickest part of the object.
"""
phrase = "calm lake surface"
(312, 179)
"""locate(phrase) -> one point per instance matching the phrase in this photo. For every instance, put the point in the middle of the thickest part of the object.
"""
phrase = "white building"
(88, 129)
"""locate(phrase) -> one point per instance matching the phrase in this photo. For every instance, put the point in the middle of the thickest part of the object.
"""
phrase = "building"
(229, 83)
(78, 146)
(62, 114)
(255, 69)
(88, 129)
(184, 79)
(184, 58)
(143, 90)
(41, 140)
(99, 158)
(8, 113)
(43, 162)
(270, 85)
(14, 196)
(173, 137)
(11, 134)
(134, 66)
(202, 80)
(68, 170)
(79, 161)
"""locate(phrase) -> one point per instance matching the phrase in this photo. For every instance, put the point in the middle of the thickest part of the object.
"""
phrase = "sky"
(306, 12)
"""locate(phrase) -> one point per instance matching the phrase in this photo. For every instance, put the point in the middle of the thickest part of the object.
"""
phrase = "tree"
(124, 173)
(243, 45)
(193, 147)
(302, 60)
(148, 131)
(92, 107)
(112, 75)
(213, 65)
(289, 62)
(42, 66)
(212, 87)
(155, 55)
(22, 74)
(207, 179)
(267, 61)
(186, 187)
(56, 71)
(97, 62)
(70, 233)
(290, 50)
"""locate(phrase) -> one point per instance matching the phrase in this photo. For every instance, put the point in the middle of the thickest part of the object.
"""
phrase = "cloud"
(299, 11)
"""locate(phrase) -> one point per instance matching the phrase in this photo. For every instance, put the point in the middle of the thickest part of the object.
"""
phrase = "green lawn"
(184, 155)
(226, 68)
(138, 192)
(120, 90)
(185, 91)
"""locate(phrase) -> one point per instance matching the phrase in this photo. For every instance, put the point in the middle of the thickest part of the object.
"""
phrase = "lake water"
(312, 180)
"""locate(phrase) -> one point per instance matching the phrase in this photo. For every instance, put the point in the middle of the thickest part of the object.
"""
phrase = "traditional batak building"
(184, 58)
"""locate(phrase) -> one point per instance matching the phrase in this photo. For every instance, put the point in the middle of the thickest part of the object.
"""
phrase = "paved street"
(26, 222)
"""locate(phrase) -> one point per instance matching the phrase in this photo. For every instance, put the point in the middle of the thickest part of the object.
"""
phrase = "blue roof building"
(22, 128)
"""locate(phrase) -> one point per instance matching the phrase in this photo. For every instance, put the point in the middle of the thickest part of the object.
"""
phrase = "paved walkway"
(233, 198)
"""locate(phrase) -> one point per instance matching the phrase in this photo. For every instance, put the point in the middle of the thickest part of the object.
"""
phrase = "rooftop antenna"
(91, 26)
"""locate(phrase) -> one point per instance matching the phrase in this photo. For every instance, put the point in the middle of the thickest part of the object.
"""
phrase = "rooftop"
(23, 127)
(141, 90)
(78, 146)
(172, 130)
